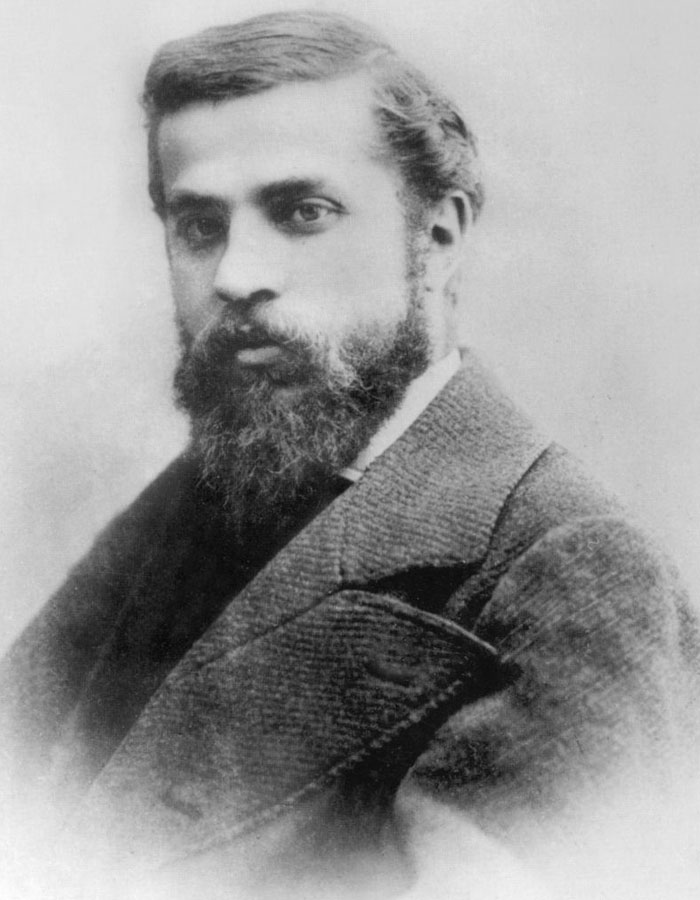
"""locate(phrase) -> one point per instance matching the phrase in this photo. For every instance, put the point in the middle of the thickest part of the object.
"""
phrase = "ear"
(447, 226)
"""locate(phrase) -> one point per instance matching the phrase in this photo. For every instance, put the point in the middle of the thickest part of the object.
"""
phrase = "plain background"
(583, 276)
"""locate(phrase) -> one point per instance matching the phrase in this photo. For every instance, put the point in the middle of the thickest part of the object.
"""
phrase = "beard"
(268, 440)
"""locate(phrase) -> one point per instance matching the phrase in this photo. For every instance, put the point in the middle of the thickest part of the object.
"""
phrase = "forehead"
(322, 128)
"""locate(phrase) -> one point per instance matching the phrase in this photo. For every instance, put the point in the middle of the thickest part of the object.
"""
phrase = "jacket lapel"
(306, 675)
(433, 498)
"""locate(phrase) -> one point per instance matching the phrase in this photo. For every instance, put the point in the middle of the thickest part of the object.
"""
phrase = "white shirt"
(418, 395)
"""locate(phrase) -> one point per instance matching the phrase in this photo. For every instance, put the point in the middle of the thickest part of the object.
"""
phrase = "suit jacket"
(474, 625)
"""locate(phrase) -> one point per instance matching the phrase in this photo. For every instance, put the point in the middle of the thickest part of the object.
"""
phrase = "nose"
(250, 267)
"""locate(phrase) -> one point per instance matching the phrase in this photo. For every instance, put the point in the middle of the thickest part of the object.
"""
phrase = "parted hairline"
(422, 130)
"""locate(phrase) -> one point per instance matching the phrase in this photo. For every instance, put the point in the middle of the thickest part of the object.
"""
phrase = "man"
(370, 605)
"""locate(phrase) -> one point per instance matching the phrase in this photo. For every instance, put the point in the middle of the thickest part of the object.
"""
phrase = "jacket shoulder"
(554, 491)
(45, 669)
(603, 643)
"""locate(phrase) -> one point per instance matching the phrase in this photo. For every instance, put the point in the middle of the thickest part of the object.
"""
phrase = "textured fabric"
(418, 395)
(156, 626)
(474, 623)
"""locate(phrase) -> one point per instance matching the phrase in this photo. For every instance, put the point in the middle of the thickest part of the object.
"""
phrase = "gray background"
(584, 273)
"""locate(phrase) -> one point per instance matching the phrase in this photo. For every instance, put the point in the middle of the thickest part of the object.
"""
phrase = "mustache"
(223, 338)
(243, 336)
(209, 371)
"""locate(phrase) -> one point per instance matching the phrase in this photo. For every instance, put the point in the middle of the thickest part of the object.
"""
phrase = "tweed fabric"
(474, 620)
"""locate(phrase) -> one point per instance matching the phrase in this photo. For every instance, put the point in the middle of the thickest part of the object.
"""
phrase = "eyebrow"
(291, 188)
(276, 191)
(186, 201)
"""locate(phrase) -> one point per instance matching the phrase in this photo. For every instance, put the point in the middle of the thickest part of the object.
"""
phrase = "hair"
(423, 132)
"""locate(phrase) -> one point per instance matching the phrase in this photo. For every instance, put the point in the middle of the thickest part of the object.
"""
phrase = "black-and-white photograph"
(350, 494)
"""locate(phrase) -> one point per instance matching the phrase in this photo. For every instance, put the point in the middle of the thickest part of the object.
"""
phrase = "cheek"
(334, 313)
(376, 268)
(356, 282)
(191, 291)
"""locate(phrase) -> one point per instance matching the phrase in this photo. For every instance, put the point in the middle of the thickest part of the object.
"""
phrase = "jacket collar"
(418, 395)
(431, 500)
(433, 497)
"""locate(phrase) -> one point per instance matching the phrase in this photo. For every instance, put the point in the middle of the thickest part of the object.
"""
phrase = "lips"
(247, 345)
(244, 353)
(259, 354)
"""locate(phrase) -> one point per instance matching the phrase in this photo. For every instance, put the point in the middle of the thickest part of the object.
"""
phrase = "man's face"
(296, 279)
(279, 215)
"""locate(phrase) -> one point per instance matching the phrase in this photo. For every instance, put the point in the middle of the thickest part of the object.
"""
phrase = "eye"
(311, 211)
(308, 215)
(201, 230)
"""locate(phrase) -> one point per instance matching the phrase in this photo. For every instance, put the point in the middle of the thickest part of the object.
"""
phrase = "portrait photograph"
(350, 459)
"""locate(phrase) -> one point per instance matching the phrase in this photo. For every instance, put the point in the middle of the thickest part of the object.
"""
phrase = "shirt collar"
(418, 395)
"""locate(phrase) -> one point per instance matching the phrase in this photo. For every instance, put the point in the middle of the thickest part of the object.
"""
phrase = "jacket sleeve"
(603, 707)
(601, 645)
(44, 672)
